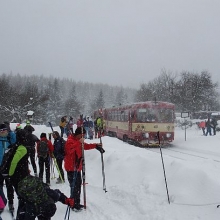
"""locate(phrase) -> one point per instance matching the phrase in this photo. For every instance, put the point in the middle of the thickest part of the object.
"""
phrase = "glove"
(100, 149)
(69, 202)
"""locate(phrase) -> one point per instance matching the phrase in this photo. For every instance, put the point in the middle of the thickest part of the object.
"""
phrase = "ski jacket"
(3, 146)
(11, 137)
(86, 123)
(31, 139)
(18, 168)
(73, 153)
(202, 124)
(59, 144)
(79, 123)
(49, 144)
(63, 122)
(100, 123)
(71, 123)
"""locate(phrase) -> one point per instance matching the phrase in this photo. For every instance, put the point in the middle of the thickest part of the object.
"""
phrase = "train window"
(126, 115)
(165, 115)
(147, 115)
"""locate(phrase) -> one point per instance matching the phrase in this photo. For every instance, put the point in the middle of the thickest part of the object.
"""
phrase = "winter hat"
(43, 135)
(3, 127)
(79, 131)
(21, 136)
(3, 130)
(56, 133)
(18, 126)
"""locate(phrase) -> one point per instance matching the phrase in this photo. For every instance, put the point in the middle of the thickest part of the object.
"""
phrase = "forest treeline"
(50, 98)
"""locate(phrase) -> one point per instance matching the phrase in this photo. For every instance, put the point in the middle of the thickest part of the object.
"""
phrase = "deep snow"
(135, 180)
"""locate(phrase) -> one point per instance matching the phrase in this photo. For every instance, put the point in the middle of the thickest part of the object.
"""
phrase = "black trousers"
(75, 182)
(44, 161)
(60, 166)
(31, 152)
(9, 187)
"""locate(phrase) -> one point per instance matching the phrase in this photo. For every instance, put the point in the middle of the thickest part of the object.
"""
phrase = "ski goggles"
(3, 129)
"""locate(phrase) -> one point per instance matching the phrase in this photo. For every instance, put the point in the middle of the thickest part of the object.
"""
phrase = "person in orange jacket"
(73, 162)
(44, 156)
(202, 126)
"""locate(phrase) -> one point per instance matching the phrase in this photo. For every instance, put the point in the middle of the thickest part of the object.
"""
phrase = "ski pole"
(158, 135)
(50, 126)
(103, 169)
(72, 186)
(58, 170)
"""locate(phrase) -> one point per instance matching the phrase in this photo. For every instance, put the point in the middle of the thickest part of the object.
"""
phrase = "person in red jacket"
(73, 162)
(44, 152)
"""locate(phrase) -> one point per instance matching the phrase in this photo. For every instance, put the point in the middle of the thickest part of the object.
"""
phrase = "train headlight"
(168, 135)
(146, 135)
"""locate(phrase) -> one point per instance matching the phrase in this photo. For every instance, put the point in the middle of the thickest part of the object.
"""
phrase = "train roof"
(148, 103)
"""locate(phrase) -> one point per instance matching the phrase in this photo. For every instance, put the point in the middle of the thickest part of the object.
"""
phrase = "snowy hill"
(135, 180)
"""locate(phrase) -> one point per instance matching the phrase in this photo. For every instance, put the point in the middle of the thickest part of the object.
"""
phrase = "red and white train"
(140, 123)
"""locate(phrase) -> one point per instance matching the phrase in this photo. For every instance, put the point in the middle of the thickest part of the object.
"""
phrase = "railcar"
(140, 123)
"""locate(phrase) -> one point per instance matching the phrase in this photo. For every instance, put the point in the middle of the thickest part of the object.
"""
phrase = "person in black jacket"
(58, 152)
(30, 144)
(18, 167)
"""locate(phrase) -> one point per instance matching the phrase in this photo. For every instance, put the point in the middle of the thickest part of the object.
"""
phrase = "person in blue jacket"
(7, 138)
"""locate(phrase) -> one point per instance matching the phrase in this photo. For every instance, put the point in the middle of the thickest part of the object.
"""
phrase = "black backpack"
(7, 158)
(33, 190)
(43, 149)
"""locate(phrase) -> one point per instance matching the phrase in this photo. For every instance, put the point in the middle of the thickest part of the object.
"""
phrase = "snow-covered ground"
(136, 185)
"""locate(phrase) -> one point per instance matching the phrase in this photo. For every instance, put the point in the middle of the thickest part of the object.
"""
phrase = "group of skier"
(94, 129)
(208, 126)
(35, 197)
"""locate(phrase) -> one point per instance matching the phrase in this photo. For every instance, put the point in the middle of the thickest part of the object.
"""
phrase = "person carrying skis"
(59, 144)
(73, 162)
(44, 152)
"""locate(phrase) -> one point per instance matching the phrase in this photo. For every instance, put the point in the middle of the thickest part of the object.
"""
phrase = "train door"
(130, 119)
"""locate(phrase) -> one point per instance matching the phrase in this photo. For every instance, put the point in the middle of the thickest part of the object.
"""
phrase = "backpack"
(33, 190)
(7, 158)
(43, 149)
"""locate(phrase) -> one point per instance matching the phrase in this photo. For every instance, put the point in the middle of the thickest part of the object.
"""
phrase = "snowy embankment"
(135, 180)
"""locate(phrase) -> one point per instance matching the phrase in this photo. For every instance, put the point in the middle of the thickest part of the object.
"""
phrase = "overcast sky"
(119, 42)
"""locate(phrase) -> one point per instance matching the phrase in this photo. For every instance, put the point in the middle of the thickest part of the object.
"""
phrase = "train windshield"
(155, 115)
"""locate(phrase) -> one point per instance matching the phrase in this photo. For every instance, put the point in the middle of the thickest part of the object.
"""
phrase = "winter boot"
(11, 207)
